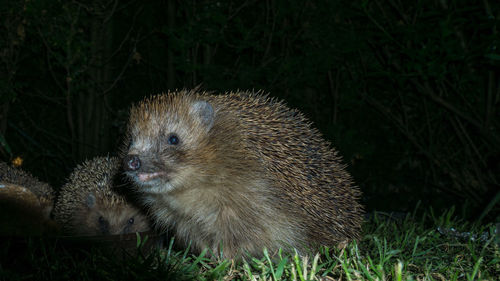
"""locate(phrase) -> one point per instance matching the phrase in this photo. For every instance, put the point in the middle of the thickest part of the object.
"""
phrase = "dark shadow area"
(408, 92)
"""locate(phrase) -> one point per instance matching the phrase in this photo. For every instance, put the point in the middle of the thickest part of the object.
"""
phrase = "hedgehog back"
(304, 166)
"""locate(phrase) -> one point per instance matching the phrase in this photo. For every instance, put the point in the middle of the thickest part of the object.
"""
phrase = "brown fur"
(21, 212)
(42, 191)
(89, 205)
(247, 171)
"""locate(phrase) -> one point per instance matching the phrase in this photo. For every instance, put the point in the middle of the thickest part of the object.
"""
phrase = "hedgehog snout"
(131, 162)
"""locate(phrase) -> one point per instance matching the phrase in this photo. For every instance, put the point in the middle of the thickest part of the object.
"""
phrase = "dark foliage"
(49, 258)
(409, 92)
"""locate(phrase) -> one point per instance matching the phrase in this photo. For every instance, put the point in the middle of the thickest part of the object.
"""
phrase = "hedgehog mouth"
(145, 177)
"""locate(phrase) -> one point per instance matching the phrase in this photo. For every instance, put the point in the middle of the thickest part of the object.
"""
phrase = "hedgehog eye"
(173, 139)
(103, 225)
(131, 221)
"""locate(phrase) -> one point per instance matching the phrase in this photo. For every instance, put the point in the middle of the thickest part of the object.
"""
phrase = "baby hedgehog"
(89, 205)
(43, 191)
(239, 170)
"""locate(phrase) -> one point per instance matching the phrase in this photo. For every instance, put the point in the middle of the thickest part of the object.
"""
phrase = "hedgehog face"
(103, 218)
(167, 134)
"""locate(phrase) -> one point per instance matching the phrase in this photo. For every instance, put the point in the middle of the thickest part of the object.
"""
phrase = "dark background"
(407, 91)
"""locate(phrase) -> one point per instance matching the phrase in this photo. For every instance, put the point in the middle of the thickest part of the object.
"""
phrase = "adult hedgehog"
(239, 170)
(88, 204)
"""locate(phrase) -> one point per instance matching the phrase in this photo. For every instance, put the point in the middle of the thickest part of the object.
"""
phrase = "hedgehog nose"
(131, 162)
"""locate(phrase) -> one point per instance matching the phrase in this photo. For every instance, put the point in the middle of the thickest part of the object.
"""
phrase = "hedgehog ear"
(90, 200)
(204, 112)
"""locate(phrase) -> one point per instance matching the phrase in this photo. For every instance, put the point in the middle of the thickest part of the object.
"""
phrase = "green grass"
(410, 248)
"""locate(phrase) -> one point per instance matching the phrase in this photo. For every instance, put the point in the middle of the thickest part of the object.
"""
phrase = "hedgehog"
(21, 212)
(237, 173)
(43, 191)
(88, 203)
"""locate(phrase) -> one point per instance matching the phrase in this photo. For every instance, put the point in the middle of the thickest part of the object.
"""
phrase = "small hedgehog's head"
(111, 217)
(169, 141)
(90, 204)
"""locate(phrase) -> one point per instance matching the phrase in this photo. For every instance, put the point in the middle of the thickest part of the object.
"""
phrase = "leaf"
(492, 56)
